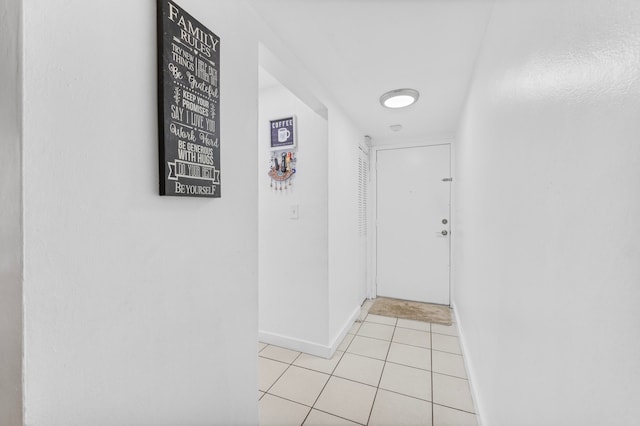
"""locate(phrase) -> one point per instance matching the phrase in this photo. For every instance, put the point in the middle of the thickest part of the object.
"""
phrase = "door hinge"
(449, 179)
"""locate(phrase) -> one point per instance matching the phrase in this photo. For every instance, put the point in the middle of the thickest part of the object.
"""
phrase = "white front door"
(413, 198)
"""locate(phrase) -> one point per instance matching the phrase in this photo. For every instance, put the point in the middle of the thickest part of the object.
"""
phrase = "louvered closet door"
(363, 214)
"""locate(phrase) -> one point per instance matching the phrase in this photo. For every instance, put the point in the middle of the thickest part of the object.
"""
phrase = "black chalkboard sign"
(188, 104)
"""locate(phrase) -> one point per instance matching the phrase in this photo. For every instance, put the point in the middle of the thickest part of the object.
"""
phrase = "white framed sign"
(283, 133)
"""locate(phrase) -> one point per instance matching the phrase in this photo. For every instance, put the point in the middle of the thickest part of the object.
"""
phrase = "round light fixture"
(399, 98)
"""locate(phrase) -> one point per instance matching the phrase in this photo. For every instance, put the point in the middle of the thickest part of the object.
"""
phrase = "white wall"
(345, 282)
(10, 215)
(546, 231)
(293, 268)
(139, 309)
(310, 291)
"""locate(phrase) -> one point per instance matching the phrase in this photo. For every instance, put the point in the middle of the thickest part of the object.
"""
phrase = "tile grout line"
(375, 396)
(335, 415)
(385, 361)
(345, 351)
(410, 366)
(310, 369)
(431, 375)
(457, 409)
(392, 341)
(282, 374)
(330, 376)
(406, 328)
(324, 386)
(390, 391)
(287, 399)
(447, 352)
(450, 375)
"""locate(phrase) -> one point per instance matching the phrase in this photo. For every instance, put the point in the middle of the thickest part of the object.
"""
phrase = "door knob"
(444, 232)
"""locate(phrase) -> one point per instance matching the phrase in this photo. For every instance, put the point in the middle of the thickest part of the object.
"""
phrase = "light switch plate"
(293, 212)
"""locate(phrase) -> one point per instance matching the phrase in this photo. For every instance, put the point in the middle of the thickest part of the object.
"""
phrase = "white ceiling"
(360, 49)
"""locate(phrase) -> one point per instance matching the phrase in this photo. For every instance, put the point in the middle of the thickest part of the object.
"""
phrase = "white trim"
(415, 144)
(344, 330)
(295, 344)
(311, 348)
(451, 225)
(468, 367)
(393, 147)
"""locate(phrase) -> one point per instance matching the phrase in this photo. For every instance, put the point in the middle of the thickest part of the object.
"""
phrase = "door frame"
(372, 289)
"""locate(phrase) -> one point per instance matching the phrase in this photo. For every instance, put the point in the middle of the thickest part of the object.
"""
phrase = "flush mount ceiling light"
(396, 127)
(399, 98)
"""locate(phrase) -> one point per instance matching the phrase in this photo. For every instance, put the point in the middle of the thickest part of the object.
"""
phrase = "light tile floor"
(387, 371)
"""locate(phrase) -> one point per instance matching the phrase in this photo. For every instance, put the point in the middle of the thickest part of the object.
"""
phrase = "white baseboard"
(468, 366)
(311, 348)
(345, 329)
(295, 344)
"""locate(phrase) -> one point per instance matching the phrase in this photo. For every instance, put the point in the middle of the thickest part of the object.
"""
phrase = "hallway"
(116, 301)
(387, 371)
